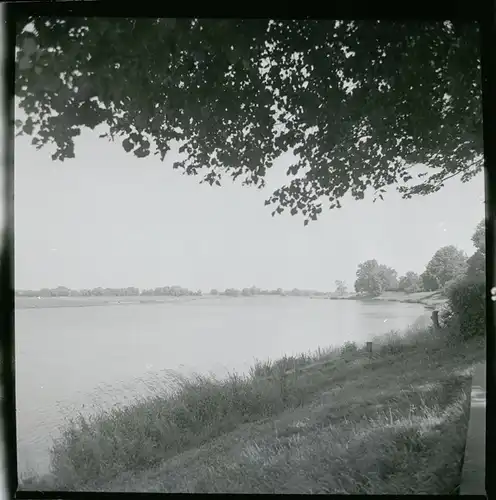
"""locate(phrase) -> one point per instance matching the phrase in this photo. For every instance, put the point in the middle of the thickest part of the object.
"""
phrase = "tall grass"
(190, 412)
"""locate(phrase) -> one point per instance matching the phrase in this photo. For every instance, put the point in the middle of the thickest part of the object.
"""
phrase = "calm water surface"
(72, 358)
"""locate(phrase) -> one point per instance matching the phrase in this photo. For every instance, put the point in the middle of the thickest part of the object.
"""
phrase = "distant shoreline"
(56, 302)
(428, 299)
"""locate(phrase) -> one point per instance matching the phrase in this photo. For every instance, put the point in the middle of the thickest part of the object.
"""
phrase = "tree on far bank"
(235, 94)
(369, 279)
(341, 288)
(447, 264)
(410, 283)
(389, 277)
(374, 278)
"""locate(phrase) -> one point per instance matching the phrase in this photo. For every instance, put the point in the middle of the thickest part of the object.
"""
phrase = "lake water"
(70, 358)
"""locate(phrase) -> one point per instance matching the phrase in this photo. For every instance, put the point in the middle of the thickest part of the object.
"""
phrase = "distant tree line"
(62, 291)
(177, 291)
(446, 266)
(253, 291)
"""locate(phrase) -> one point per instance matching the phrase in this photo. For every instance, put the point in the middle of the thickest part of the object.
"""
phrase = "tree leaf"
(24, 63)
(142, 152)
(29, 46)
(127, 145)
(28, 126)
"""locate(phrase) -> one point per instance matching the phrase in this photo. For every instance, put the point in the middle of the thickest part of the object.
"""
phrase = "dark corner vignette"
(7, 265)
(12, 15)
(488, 66)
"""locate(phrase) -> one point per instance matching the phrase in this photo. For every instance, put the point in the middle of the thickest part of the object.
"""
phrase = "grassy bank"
(431, 299)
(337, 421)
(428, 299)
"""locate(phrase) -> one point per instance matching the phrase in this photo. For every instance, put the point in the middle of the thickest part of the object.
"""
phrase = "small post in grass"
(435, 320)
(369, 350)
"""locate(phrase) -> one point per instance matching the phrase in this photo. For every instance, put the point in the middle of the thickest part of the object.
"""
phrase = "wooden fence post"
(435, 319)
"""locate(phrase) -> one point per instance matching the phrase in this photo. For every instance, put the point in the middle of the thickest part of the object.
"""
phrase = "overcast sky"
(109, 219)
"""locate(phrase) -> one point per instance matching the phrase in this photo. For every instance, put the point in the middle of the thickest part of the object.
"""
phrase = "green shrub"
(429, 282)
(477, 266)
(349, 347)
(394, 343)
(467, 300)
(450, 284)
(446, 315)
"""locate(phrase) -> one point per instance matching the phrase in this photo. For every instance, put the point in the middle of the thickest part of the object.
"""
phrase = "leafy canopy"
(358, 103)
